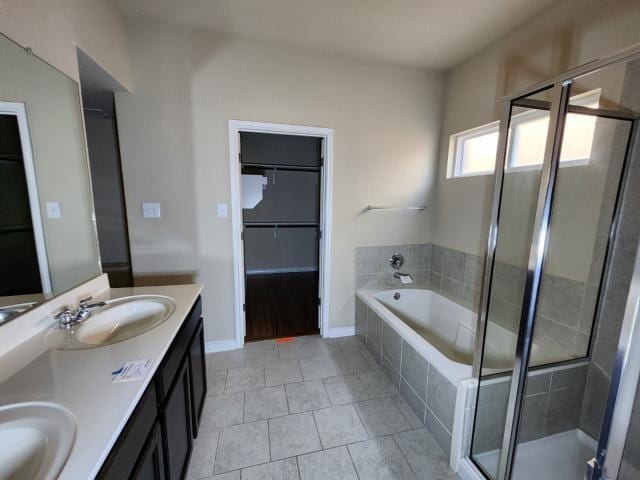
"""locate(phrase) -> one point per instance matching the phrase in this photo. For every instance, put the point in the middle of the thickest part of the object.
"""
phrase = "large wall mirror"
(48, 240)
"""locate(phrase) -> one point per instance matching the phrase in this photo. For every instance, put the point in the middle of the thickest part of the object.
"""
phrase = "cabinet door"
(151, 463)
(176, 423)
(198, 373)
(130, 444)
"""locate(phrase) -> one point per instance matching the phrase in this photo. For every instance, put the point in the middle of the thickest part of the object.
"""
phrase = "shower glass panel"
(520, 184)
(588, 181)
(554, 299)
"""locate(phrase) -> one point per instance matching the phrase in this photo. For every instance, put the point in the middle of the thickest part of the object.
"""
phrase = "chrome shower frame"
(627, 365)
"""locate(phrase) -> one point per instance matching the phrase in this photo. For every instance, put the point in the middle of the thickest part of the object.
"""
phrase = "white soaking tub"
(444, 332)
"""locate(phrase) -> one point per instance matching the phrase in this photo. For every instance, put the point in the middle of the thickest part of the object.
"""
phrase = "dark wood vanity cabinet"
(151, 462)
(176, 424)
(198, 372)
(157, 441)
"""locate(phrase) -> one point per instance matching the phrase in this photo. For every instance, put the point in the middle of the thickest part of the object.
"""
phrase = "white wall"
(54, 28)
(566, 35)
(173, 134)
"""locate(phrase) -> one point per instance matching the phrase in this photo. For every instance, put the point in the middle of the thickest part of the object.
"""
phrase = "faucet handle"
(85, 301)
(62, 313)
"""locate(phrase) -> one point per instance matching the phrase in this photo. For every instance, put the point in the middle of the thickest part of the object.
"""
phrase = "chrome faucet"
(400, 275)
(67, 318)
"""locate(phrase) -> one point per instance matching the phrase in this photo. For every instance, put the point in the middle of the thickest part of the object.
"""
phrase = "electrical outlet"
(151, 210)
(223, 211)
(53, 210)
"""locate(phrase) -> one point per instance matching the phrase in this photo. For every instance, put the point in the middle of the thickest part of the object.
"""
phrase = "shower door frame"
(619, 404)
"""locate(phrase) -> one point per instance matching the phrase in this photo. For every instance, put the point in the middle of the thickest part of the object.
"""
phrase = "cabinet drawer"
(131, 441)
(177, 351)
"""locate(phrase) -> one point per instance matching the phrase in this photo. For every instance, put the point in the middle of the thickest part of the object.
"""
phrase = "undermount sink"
(119, 320)
(35, 440)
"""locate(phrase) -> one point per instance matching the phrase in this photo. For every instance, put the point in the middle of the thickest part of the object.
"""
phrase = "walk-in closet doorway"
(281, 191)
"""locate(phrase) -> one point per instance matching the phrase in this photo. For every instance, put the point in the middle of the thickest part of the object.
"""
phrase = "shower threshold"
(562, 456)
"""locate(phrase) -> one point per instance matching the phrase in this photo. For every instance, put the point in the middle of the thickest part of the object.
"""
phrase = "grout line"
(393, 438)
(426, 395)
(315, 423)
(286, 398)
(244, 406)
(355, 469)
(298, 466)
(269, 438)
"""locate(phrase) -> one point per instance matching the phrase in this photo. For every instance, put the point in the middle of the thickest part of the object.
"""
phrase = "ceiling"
(423, 33)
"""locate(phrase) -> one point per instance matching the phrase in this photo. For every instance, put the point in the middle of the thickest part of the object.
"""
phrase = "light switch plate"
(151, 210)
(223, 211)
(53, 210)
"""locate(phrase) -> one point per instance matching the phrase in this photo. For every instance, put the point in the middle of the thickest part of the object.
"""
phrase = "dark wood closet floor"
(281, 305)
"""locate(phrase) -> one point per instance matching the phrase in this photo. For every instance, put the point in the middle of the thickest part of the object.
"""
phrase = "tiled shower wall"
(615, 292)
(565, 307)
(552, 405)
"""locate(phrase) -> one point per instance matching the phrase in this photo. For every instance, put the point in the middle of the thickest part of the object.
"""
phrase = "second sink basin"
(35, 440)
(121, 319)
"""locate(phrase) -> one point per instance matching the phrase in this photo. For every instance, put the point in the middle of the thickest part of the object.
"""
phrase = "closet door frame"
(326, 134)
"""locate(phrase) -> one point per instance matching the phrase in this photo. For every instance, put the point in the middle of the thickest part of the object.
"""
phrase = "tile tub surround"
(455, 274)
(343, 420)
(429, 394)
(566, 307)
(373, 269)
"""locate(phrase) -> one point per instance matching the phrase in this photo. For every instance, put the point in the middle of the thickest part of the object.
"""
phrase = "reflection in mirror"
(48, 240)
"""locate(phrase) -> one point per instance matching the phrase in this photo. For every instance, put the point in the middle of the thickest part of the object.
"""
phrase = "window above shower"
(473, 152)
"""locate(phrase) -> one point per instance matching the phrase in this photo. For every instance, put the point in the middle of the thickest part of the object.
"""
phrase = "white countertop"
(81, 381)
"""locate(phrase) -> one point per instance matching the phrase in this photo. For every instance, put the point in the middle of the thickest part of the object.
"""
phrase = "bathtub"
(444, 332)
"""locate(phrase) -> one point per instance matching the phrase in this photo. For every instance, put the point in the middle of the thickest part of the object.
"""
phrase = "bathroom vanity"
(142, 428)
(156, 442)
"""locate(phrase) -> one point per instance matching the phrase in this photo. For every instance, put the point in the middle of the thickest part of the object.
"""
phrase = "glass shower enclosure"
(562, 283)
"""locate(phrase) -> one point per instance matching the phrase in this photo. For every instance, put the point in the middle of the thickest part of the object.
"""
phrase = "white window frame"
(457, 140)
(456, 150)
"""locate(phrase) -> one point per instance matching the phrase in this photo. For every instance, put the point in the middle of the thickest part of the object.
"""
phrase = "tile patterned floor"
(312, 409)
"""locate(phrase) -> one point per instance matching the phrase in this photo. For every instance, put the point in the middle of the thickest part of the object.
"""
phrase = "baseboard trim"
(341, 332)
(220, 346)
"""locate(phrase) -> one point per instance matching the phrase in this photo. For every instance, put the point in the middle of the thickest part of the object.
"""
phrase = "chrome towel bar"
(394, 207)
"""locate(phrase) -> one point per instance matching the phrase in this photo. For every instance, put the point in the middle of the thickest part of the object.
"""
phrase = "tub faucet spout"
(404, 278)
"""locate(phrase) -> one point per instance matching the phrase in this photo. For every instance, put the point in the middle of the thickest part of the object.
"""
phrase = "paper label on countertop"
(132, 370)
